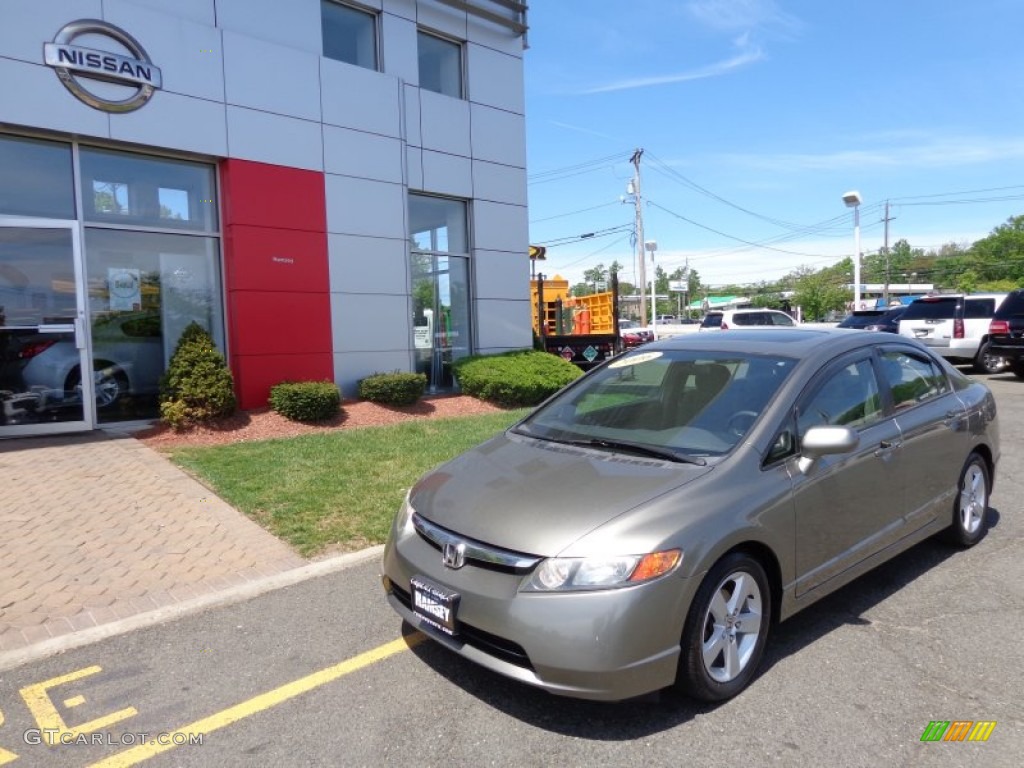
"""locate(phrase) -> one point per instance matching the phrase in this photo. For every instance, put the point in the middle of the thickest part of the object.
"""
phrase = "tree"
(818, 293)
(1000, 256)
(595, 275)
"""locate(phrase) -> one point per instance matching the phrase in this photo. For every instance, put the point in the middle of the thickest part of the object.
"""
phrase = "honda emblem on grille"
(454, 555)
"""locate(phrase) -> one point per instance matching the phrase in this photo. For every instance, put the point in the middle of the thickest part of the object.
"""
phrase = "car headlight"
(561, 574)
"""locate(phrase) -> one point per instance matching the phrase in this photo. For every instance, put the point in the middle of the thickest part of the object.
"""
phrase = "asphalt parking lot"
(319, 674)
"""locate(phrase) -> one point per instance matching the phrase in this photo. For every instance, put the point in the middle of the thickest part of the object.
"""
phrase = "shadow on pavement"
(636, 718)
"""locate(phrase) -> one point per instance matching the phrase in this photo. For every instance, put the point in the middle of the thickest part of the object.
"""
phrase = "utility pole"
(635, 160)
(887, 219)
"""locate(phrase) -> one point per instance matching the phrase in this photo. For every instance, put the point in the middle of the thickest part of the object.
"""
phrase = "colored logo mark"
(958, 730)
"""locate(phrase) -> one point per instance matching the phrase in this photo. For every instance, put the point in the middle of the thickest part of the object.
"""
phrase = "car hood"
(539, 497)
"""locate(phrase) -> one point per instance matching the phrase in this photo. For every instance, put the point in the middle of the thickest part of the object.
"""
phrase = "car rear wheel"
(986, 362)
(726, 630)
(109, 383)
(971, 504)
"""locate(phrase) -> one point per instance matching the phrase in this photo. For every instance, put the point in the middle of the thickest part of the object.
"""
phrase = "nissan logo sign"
(75, 63)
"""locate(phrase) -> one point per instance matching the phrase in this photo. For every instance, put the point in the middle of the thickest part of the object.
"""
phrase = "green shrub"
(198, 385)
(514, 379)
(306, 400)
(393, 388)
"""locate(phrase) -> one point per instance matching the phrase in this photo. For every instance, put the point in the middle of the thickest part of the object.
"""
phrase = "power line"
(573, 213)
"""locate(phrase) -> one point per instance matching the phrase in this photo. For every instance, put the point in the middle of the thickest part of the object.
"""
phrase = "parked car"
(734, 318)
(633, 334)
(956, 327)
(886, 320)
(128, 358)
(665, 320)
(1006, 332)
(648, 524)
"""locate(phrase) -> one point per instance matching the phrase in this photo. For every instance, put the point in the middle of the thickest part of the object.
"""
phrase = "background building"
(331, 188)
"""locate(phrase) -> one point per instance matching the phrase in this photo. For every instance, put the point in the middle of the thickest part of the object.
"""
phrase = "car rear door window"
(911, 379)
(712, 320)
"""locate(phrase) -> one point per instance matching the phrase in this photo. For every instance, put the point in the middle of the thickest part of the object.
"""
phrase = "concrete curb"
(238, 594)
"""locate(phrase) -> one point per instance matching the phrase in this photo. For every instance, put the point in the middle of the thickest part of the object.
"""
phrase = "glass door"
(42, 337)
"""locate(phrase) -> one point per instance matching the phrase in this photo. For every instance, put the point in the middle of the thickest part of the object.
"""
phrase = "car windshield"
(680, 404)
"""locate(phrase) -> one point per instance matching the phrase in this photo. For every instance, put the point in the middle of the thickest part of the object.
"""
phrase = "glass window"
(440, 286)
(349, 35)
(848, 398)
(121, 188)
(144, 288)
(979, 308)
(440, 65)
(35, 178)
(912, 379)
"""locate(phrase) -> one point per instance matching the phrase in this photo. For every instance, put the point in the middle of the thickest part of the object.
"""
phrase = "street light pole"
(852, 200)
(635, 191)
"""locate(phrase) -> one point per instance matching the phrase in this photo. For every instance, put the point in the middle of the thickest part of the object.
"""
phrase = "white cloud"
(712, 70)
(743, 14)
(929, 153)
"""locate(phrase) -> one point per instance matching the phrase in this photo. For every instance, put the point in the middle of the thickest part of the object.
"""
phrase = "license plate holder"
(435, 605)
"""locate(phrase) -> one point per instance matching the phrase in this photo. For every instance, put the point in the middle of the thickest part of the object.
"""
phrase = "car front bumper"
(609, 644)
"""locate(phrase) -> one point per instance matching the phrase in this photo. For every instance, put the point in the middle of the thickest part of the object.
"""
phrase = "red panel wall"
(276, 278)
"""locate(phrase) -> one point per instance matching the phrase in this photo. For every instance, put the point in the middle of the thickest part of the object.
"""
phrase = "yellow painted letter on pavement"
(5, 756)
(50, 721)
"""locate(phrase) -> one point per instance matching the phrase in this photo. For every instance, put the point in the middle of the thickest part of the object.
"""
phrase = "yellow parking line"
(258, 703)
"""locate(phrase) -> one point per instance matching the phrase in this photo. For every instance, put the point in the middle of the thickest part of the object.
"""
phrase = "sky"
(757, 116)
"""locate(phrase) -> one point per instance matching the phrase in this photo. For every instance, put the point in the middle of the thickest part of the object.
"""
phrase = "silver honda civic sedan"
(647, 525)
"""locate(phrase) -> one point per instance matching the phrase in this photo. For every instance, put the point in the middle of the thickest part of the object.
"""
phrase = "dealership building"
(330, 188)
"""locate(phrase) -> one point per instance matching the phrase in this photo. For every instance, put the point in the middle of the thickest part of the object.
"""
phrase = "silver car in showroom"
(647, 525)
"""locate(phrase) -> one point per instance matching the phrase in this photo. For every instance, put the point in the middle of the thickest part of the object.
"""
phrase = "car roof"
(785, 342)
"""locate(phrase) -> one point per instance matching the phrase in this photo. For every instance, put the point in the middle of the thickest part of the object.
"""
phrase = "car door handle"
(951, 417)
(886, 447)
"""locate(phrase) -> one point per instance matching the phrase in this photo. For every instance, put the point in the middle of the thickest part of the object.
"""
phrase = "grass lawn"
(338, 490)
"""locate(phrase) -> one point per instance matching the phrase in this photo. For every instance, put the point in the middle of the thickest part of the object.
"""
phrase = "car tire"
(110, 383)
(726, 630)
(986, 362)
(970, 507)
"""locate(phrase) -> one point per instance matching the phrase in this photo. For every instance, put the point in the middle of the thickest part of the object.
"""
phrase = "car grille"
(479, 554)
(488, 643)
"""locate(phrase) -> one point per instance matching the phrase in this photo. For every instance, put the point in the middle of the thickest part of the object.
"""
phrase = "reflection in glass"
(440, 287)
(35, 178)
(39, 360)
(349, 35)
(440, 65)
(144, 289)
(123, 188)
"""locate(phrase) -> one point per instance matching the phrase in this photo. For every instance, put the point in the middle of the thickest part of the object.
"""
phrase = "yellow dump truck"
(581, 329)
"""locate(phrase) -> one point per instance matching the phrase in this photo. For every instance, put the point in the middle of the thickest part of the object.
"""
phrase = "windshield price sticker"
(434, 604)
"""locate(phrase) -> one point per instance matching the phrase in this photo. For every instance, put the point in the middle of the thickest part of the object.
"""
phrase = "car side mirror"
(825, 441)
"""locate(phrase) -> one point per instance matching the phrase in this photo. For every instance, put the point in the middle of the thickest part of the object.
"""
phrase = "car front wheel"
(726, 630)
(109, 383)
(971, 504)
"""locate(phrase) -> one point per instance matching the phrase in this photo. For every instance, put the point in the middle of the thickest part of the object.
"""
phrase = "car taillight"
(725, 326)
(958, 328)
(29, 351)
(999, 326)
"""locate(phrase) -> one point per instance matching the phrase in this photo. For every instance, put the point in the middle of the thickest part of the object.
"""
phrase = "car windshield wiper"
(648, 450)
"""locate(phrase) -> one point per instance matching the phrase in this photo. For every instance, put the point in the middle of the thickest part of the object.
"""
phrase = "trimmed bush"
(198, 385)
(306, 400)
(393, 388)
(514, 379)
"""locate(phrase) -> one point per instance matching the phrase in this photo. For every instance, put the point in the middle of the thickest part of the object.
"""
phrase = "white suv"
(955, 326)
(723, 320)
